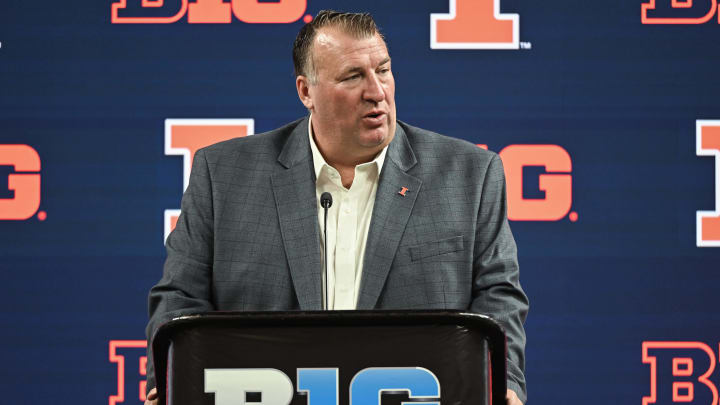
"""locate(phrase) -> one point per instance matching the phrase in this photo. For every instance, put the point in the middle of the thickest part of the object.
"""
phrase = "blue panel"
(621, 97)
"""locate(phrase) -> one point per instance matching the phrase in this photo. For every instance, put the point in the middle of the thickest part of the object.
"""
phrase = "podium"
(331, 358)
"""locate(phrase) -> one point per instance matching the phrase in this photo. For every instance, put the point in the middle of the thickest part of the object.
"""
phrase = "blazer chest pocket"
(435, 248)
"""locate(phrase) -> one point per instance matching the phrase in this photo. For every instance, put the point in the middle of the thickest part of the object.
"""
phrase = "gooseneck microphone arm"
(326, 202)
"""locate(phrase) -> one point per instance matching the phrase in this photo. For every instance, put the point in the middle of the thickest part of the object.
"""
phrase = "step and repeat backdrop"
(606, 115)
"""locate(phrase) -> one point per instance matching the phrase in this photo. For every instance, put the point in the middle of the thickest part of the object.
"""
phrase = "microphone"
(326, 202)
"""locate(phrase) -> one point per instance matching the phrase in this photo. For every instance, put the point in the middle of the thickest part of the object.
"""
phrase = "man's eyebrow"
(358, 69)
(352, 69)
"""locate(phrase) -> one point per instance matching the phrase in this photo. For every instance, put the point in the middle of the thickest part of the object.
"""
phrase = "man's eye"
(353, 77)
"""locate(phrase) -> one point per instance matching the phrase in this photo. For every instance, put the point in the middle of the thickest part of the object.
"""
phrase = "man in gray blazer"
(436, 234)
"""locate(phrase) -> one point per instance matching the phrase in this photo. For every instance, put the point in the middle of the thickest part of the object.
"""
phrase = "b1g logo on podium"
(273, 387)
(680, 372)
(678, 11)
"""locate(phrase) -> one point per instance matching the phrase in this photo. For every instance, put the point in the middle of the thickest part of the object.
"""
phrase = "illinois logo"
(25, 183)
(678, 11)
(474, 24)
(708, 144)
(185, 136)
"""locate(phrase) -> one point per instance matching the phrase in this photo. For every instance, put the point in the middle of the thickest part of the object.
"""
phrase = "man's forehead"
(335, 42)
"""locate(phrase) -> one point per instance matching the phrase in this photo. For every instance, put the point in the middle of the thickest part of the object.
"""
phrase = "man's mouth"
(374, 114)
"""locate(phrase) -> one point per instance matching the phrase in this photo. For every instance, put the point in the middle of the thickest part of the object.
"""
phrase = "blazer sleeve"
(185, 286)
(496, 287)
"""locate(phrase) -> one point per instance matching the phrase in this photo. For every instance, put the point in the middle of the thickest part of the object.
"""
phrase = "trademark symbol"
(525, 45)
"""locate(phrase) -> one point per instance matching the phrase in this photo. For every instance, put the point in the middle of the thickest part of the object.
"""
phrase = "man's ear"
(302, 83)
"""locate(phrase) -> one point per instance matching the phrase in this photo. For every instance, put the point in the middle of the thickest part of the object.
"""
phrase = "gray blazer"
(248, 234)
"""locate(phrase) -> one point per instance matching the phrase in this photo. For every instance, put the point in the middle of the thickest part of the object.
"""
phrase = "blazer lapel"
(294, 191)
(390, 216)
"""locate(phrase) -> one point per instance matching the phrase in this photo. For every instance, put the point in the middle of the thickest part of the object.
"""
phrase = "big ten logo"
(207, 11)
(551, 166)
(708, 144)
(130, 359)
(680, 373)
(320, 385)
(678, 11)
(185, 136)
(23, 183)
(474, 24)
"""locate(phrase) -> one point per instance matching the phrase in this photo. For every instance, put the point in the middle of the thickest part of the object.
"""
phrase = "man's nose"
(374, 90)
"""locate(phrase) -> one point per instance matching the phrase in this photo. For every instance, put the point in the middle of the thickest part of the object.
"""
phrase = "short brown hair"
(359, 25)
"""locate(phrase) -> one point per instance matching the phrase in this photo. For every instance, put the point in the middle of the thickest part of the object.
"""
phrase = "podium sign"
(331, 358)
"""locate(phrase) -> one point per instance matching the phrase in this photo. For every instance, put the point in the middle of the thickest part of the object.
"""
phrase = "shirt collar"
(319, 161)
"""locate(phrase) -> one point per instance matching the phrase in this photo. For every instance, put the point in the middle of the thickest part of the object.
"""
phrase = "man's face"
(352, 99)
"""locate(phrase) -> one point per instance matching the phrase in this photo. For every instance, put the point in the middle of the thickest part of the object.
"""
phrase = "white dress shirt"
(348, 224)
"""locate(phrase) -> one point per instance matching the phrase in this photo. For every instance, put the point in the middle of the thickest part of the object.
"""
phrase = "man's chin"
(375, 138)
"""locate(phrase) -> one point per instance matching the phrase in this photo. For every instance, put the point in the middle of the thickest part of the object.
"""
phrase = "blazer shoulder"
(429, 145)
(265, 146)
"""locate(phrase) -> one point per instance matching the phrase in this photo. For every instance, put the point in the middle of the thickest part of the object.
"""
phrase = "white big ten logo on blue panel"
(231, 385)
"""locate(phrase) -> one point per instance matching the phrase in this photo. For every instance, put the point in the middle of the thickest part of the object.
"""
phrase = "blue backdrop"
(621, 97)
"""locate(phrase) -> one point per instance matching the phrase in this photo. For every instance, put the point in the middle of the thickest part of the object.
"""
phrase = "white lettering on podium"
(230, 385)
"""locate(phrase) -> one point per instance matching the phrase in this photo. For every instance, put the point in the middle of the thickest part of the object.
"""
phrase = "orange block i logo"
(708, 144)
(474, 24)
(185, 136)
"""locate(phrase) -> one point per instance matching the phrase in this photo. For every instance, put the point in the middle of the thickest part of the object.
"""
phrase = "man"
(419, 220)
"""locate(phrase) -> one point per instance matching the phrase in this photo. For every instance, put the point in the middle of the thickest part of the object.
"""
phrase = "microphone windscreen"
(326, 200)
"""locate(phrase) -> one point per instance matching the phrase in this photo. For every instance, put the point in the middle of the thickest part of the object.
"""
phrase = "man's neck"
(338, 157)
(344, 164)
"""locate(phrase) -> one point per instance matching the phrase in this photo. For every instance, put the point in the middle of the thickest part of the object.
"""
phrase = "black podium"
(331, 358)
